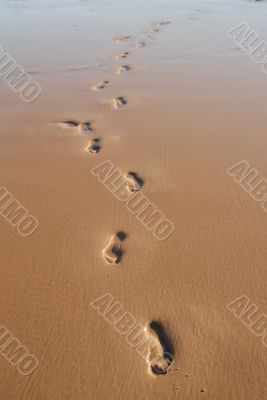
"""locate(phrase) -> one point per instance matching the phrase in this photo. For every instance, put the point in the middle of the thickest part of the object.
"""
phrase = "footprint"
(70, 123)
(157, 26)
(101, 85)
(119, 102)
(113, 253)
(134, 182)
(140, 45)
(160, 352)
(164, 23)
(122, 38)
(84, 127)
(124, 68)
(155, 29)
(94, 146)
(123, 55)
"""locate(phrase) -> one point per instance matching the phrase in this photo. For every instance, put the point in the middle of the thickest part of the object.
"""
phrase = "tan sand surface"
(196, 105)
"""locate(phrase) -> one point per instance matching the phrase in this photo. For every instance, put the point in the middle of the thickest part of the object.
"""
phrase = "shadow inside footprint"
(122, 236)
(163, 356)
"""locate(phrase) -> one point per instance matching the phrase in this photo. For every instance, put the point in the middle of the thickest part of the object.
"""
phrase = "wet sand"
(194, 106)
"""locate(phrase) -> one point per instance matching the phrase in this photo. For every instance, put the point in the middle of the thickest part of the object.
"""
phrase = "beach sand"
(193, 106)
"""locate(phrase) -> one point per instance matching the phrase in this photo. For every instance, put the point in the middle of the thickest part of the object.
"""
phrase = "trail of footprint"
(160, 352)
(113, 252)
(101, 85)
(124, 68)
(158, 359)
(119, 102)
(134, 182)
(94, 146)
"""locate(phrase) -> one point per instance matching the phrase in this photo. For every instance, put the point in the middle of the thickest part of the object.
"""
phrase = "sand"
(190, 106)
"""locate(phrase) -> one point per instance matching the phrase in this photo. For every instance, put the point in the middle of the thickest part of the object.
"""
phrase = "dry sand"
(192, 106)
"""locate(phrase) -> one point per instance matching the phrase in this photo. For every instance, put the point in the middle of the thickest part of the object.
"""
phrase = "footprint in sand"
(155, 29)
(164, 23)
(122, 55)
(140, 45)
(94, 146)
(123, 69)
(83, 127)
(122, 38)
(86, 127)
(119, 102)
(160, 352)
(70, 123)
(101, 85)
(113, 252)
(134, 182)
